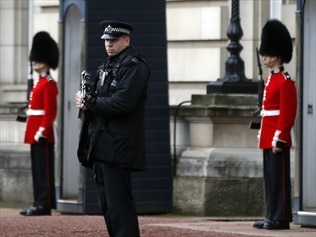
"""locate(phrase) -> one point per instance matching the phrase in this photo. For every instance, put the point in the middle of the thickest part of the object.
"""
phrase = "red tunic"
(42, 110)
(279, 111)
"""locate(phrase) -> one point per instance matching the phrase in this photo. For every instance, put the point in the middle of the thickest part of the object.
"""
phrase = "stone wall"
(15, 164)
(225, 182)
(15, 176)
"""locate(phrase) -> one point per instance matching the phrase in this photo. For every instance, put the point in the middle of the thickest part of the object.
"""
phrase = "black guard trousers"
(43, 175)
(278, 185)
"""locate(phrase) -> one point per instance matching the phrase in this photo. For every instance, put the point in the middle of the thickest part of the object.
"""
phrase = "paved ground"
(61, 225)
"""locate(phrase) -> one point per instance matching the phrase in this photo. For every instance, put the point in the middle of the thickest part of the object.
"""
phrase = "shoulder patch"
(135, 60)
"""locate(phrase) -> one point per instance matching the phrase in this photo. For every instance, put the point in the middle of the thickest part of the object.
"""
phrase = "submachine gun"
(85, 140)
(86, 90)
(21, 117)
(260, 88)
(86, 85)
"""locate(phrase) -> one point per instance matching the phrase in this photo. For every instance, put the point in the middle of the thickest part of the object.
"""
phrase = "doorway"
(308, 192)
(71, 172)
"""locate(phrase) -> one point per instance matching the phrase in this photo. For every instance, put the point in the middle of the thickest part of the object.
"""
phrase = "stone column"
(13, 50)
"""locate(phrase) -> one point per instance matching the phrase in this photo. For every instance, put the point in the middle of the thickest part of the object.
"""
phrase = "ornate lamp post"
(234, 80)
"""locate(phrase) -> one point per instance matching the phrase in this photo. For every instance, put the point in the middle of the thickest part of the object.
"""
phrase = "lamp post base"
(232, 87)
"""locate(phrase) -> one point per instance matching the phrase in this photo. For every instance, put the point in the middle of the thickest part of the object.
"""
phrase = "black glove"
(42, 140)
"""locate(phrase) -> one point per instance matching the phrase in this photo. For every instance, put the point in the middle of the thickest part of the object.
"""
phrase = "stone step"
(11, 131)
(13, 93)
(15, 157)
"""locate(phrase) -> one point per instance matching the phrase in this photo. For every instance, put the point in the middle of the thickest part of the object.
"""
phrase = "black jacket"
(116, 112)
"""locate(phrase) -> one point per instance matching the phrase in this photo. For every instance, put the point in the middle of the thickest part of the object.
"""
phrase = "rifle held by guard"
(260, 89)
(21, 117)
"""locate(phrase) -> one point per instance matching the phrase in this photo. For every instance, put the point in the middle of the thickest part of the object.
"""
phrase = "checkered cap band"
(112, 30)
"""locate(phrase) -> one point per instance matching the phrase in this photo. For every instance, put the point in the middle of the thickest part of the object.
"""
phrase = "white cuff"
(39, 133)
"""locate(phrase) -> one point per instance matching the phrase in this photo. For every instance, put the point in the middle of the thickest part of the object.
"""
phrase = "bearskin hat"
(44, 49)
(276, 41)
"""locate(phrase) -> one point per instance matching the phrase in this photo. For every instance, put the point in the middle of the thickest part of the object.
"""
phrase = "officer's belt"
(35, 112)
(270, 113)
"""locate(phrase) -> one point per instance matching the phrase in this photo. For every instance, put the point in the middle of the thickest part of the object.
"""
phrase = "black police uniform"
(116, 132)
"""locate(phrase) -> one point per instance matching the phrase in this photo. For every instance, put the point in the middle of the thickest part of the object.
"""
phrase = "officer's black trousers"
(116, 200)
(278, 185)
(42, 158)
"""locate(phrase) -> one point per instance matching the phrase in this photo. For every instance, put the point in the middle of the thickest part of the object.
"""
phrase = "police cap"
(115, 29)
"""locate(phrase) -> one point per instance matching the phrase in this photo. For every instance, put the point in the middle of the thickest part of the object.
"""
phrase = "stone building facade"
(206, 138)
(196, 36)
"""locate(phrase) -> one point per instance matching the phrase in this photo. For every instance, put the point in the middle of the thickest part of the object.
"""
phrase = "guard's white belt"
(35, 112)
(270, 112)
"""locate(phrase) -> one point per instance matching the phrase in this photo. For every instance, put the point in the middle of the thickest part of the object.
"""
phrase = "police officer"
(41, 113)
(278, 116)
(115, 130)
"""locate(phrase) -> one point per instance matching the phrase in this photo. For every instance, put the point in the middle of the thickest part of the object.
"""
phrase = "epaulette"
(49, 78)
(130, 60)
(287, 75)
(135, 60)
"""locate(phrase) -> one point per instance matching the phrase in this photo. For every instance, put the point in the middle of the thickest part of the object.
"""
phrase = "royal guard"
(278, 113)
(41, 113)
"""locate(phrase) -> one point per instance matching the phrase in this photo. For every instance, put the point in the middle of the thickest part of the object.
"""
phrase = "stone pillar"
(220, 171)
(13, 50)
